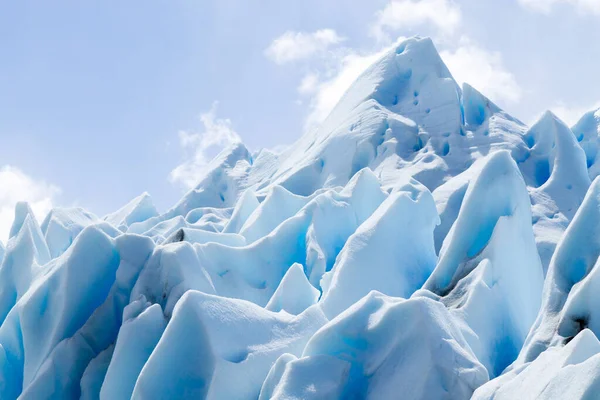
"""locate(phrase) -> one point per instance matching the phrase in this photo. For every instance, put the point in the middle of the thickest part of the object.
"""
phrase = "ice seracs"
(556, 169)
(142, 327)
(566, 373)
(382, 346)
(420, 243)
(25, 255)
(290, 376)
(489, 273)
(234, 340)
(587, 130)
(391, 252)
(294, 293)
(568, 289)
(242, 211)
(137, 210)
(62, 225)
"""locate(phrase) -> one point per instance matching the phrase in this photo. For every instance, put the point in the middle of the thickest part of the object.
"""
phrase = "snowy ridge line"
(421, 241)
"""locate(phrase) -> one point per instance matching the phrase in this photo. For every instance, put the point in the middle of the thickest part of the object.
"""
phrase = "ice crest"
(421, 243)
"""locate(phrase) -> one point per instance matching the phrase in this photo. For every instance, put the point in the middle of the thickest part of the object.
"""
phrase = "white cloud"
(200, 147)
(293, 46)
(484, 70)
(18, 186)
(444, 15)
(309, 83)
(341, 73)
(546, 6)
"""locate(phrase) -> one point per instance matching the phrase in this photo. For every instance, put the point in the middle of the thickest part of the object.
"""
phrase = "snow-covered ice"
(421, 243)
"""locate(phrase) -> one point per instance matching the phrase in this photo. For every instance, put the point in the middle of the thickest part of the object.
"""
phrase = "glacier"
(421, 243)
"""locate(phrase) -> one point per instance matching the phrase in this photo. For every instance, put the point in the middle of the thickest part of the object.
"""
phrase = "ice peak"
(549, 119)
(555, 157)
(579, 249)
(137, 210)
(416, 59)
(588, 126)
(587, 130)
(411, 80)
(572, 277)
(22, 210)
(497, 191)
(560, 162)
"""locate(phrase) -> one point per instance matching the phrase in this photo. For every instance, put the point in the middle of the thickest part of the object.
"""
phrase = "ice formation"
(420, 244)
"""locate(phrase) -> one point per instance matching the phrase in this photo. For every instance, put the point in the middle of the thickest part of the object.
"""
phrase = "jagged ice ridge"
(420, 243)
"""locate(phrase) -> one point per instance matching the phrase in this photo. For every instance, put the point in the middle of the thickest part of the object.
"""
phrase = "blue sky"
(103, 100)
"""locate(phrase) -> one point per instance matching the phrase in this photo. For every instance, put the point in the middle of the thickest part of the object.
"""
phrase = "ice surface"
(294, 294)
(138, 336)
(242, 211)
(569, 287)
(587, 130)
(327, 376)
(421, 243)
(93, 377)
(190, 368)
(62, 225)
(489, 262)
(99, 331)
(137, 210)
(394, 346)
(278, 206)
(234, 340)
(570, 372)
(556, 169)
(392, 251)
(25, 256)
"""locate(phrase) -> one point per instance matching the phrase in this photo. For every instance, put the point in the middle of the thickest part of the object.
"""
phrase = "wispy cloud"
(294, 46)
(572, 113)
(444, 15)
(546, 6)
(18, 186)
(325, 90)
(200, 147)
(482, 69)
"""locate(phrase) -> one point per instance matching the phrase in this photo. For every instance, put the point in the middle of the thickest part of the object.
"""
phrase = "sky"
(102, 100)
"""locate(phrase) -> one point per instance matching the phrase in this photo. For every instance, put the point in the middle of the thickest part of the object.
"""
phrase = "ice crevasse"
(422, 243)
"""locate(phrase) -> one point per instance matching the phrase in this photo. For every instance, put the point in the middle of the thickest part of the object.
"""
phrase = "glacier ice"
(586, 130)
(421, 243)
(568, 296)
(294, 293)
(137, 210)
(566, 373)
(142, 327)
(396, 346)
(489, 273)
(326, 375)
(394, 244)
